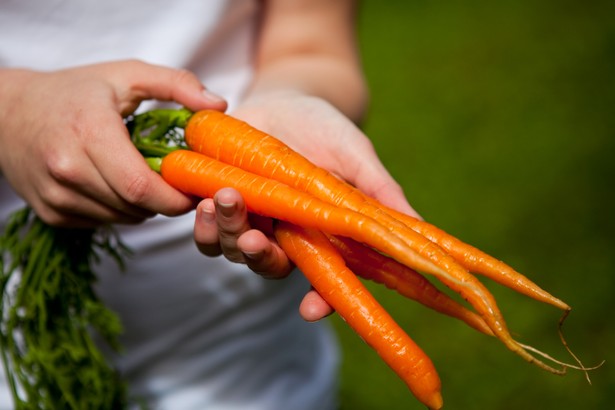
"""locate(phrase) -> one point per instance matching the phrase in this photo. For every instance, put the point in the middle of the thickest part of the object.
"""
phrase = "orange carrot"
(200, 175)
(478, 261)
(372, 265)
(319, 261)
(237, 143)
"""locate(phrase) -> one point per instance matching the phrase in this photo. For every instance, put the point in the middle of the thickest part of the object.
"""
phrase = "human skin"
(66, 151)
(309, 91)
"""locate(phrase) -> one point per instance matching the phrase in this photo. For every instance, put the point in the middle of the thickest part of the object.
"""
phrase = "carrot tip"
(436, 402)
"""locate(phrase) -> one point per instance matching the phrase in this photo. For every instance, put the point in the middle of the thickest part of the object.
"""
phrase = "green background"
(498, 118)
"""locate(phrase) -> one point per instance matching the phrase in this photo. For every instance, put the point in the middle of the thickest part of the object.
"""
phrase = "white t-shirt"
(200, 333)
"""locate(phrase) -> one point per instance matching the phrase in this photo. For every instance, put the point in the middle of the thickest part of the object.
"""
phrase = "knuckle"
(137, 189)
(133, 64)
(53, 197)
(183, 76)
(63, 168)
(50, 217)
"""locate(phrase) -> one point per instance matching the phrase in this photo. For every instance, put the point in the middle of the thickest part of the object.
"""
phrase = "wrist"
(336, 81)
(13, 83)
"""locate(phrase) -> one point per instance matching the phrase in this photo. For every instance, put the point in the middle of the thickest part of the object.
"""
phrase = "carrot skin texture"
(477, 261)
(273, 159)
(235, 142)
(199, 175)
(326, 270)
(374, 266)
(230, 140)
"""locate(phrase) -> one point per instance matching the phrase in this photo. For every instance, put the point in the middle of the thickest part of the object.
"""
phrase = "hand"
(223, 227)
(65, 148)
(317, 130)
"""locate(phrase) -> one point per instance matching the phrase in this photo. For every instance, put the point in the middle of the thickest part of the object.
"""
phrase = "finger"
(149, 81)
(127, 174)
(62, 206)
(313, 307)
(376, 182)
(370, 176)
(206, 229)
(77, 187)
(232, 220)
(79, 211)
(264, 256)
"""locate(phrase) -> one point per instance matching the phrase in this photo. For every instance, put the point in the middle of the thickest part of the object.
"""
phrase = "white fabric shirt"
(200, 333)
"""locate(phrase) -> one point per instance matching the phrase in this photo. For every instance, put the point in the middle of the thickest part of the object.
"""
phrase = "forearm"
(12, 83)
(338, 82)
(310, 47)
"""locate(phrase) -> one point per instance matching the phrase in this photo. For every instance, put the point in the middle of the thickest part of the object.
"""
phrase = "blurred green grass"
(498, 118)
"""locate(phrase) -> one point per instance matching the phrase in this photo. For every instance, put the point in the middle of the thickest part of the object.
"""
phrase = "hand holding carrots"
(330, 140)
(223, 226)
(65, 164)
(315, 209)
(63, 139)
(320, 132)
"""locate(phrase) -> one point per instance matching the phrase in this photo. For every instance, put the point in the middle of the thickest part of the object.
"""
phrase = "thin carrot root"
(580, 366)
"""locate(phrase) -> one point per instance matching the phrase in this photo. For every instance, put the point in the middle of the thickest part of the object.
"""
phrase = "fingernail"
(227, 209)
(212, 97)
(207, 214)
(253, 255)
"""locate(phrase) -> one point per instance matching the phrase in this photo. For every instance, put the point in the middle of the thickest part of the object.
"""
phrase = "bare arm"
(310, 47)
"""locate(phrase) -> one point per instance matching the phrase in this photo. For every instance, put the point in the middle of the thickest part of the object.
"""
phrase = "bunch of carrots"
(328, 228)
(334, 233)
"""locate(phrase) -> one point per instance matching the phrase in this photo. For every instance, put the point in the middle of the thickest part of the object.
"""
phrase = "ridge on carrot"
(369, 264)
(230, 140)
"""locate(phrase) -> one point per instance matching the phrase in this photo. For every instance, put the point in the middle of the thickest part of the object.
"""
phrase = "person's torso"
(198, 330)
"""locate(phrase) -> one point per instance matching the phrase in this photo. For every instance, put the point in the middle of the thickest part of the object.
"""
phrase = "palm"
(325, 136)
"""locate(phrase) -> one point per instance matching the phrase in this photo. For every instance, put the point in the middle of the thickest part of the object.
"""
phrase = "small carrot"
(372, 265)
(326, 270)
(478, 261)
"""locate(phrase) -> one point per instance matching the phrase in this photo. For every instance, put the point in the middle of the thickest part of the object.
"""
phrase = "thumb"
(375, 181)
(148, 81)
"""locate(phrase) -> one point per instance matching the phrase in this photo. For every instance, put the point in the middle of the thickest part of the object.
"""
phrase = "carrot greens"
(49, 310)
